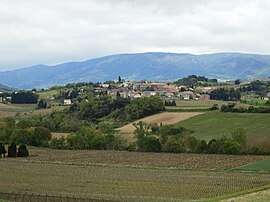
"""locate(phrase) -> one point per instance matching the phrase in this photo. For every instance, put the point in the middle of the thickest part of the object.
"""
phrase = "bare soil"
(164, 118)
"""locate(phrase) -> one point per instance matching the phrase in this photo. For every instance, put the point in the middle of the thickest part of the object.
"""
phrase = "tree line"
(193, 81)
(178, 140)
(231, 107)
(24, 97)
(226, 94)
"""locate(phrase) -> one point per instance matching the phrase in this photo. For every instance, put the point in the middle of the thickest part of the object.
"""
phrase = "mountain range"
(4, 89)
(151, 66)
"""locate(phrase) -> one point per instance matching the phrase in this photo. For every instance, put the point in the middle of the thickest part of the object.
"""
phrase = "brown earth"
(164, 118)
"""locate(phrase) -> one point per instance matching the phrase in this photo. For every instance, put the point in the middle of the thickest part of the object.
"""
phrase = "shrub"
(57, 143)
(174, 146)
(152, 144)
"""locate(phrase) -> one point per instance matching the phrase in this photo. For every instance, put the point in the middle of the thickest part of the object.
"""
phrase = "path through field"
(164, 118)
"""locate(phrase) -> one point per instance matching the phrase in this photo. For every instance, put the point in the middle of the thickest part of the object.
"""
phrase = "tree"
(239, 135)
(42, 104)
(214, 107)
(174, 146)
(22, 151)
(24, 97)
(118, 95)
(237, 81)
(41, 135)
(22, 136)
(152, 144)
(57, 143)
(12, 150)
(10, 122)
(119, 79)
(141, 131)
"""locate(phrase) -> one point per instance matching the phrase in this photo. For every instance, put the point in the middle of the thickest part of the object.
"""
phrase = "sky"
(56, 31)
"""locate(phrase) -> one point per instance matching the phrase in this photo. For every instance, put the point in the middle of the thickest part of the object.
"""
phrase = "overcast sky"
(55, 31)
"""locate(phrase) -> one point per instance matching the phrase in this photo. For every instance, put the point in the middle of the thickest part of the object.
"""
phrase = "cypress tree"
(22, 151)
(12, 150)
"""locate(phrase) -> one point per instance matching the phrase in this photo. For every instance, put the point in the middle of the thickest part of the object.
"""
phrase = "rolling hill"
(4, 88)
(151, 66)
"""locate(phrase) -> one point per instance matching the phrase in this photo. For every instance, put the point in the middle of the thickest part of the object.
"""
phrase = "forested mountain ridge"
(150, 66)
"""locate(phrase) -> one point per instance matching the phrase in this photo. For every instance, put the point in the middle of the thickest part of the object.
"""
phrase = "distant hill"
(4, 88)
(150, 66)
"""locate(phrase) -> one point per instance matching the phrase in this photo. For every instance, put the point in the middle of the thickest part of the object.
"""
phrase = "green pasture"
(262, 165)
(216, 124)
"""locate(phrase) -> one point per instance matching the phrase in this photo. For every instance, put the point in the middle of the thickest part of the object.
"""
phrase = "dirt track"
(164, 118)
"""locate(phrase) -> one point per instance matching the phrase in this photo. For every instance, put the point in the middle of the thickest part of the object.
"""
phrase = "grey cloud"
(49, 32)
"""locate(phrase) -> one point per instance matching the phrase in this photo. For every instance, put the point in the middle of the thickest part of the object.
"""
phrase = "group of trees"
(226, 94)
(193, 80)
(177, 140)
(259, 87)
(153, 138)
(102, 137)
(97, 107)
(139, 108)
(24, 97)
(169, 103)
(12, 151)
(20, 133)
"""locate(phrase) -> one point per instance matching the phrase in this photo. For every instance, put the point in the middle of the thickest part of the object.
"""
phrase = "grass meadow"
(215, 124)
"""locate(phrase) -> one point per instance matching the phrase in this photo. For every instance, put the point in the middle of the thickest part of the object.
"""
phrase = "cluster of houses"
(135, 90)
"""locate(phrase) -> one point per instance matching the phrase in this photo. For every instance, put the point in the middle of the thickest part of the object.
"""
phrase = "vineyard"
(124, 183)
(144, 159)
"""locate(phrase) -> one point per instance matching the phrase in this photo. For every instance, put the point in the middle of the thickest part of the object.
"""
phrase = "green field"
(215, 124)
(21, 111)
(263, 165)
(258, 196)
(46, 93)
